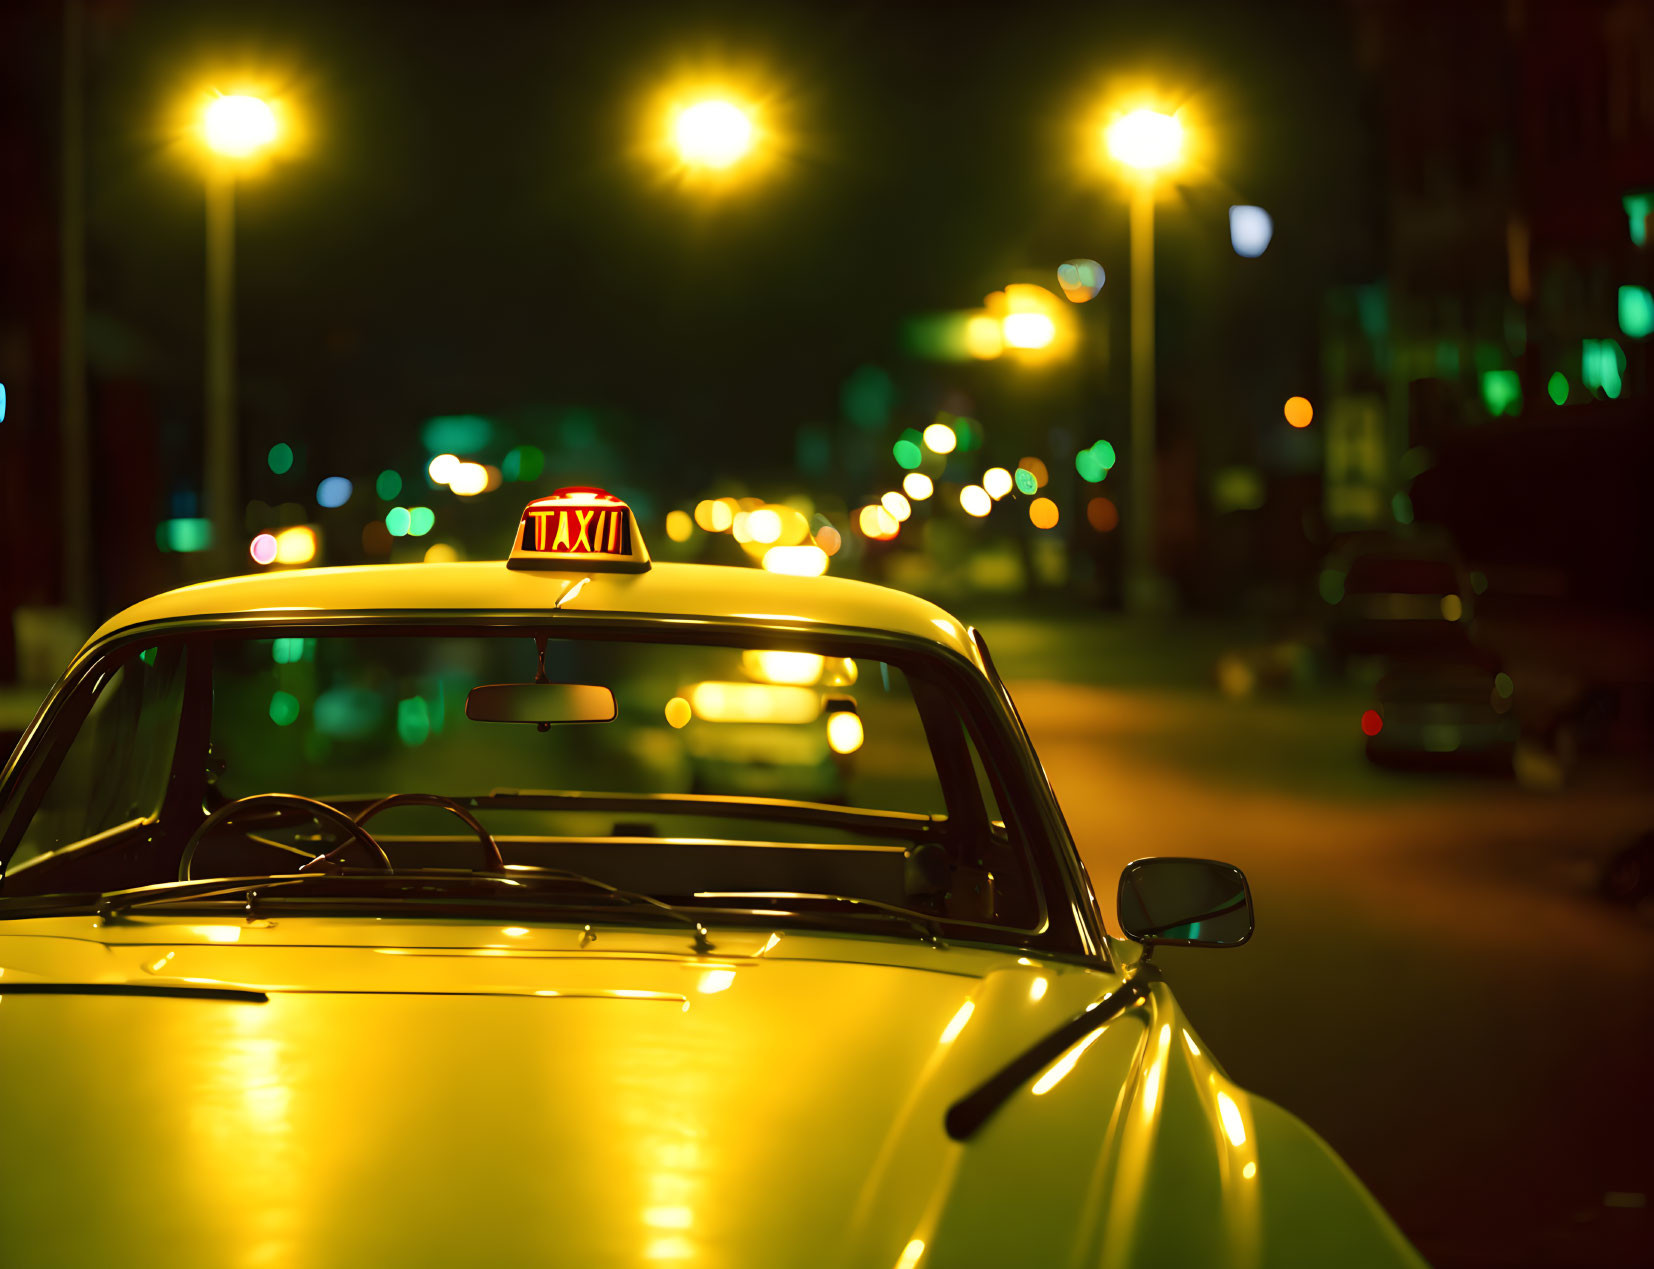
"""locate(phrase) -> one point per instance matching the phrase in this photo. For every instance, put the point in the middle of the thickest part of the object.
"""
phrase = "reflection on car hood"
(444, 1093)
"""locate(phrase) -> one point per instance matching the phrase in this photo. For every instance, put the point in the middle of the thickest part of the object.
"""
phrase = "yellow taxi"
(424, 915)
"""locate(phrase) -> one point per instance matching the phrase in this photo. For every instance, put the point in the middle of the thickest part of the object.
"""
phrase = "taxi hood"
(404, 1097)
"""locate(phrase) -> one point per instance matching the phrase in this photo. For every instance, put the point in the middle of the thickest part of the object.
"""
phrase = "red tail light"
(1372, 722)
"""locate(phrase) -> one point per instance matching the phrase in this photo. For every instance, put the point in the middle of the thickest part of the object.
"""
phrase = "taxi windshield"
(724, 775)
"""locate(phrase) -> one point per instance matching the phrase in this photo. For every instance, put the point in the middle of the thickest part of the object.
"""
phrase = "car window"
(338, 715)
(115, 769)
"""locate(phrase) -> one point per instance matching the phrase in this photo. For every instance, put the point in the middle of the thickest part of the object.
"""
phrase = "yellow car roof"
(705, 591)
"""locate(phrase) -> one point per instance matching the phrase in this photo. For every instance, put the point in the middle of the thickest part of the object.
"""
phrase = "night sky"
(475, 223)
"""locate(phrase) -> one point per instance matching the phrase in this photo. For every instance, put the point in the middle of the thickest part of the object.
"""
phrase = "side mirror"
(1185, 903)
(542, 703)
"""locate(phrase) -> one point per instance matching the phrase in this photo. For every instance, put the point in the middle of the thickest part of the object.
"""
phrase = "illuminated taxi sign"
(579, 530)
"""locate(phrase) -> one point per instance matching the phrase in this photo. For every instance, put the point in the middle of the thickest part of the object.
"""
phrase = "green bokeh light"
(396, 522)
(420, 521)
(388, 485)
(1026, 481)
(280, 458)
(1503, 685)
(1636, 311)
(1558, 387)
(908, 455)
(1501, 392)
(456, 434)
(284, 709)
(413, 720)
(1331, 585)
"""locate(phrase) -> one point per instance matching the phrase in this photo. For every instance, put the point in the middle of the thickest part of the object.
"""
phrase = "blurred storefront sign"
(1356, 468)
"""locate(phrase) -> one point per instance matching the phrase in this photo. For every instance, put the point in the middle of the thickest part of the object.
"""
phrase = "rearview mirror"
(1185, 903)
(542, 703)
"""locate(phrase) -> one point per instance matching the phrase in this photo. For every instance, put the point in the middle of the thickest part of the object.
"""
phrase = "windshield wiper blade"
(929, 928)
(369, 883)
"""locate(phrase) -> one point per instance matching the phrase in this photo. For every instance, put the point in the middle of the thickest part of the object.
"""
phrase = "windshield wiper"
(373, 882)
(929, 928)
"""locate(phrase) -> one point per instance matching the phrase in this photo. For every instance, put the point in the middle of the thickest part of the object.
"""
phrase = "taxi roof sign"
(579, 530)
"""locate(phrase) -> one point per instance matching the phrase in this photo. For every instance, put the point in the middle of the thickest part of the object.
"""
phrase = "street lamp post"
(1145, 141)
(235, 128)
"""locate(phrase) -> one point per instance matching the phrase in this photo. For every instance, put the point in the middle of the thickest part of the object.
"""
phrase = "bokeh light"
(334, 491)
(1029, 330)
(918, 486)
(941, 439)
(388, 485)
(263, 549)
(1080, 280)
(845, 732)
(280, 458)
(1372, 722)
(441, 553)
(907, 453)
(806, 560)
(679, 526)
(420, 521)
(468, 479)
(1299, 412)
(1043, 513)
(237, 126)
(1101, 514)
(1250, 229)
(678, 712)
(442, 468)
(712, 134)
(975, 500)
(296, 545)
(877, 523)
(984, 336)
(829, 539)
(1036, 473)
(396, 522)
(1145, 139)
(897, 505)
(997, 481)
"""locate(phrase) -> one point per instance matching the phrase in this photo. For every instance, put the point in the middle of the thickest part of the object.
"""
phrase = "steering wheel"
(489, 845)
(318, 810)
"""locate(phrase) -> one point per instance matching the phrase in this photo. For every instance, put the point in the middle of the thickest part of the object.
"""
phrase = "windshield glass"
(720, 773)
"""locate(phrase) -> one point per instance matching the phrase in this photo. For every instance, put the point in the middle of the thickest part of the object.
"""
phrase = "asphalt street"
(1434, 984)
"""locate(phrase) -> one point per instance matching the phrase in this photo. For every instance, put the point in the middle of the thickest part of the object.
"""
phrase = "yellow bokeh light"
(680, 527)
(1145, 139)
(1452, 607)
(764, 525)
(678, 712)
(1299, 412)
(975, 500)
(844, 731)
(997, 481)
(1029, 330)
(442, 468)
(1044, 514)
(714, 134)
(296, 546)
(984, 336)
(753, 703)
(877, 523)
(238, 126)
(897, 505)
(918, 486)
(440, 553)
(939, 438)
(796, 561)
(468, 479)
(799, 669)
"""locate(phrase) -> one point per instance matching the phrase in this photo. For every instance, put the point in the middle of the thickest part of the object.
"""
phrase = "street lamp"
(235, 129)
(712, 134)
(1146, 142)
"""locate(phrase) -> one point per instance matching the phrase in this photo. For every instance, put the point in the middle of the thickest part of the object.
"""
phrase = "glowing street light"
(712, 133)
(234, 128)
(238, 126)
(1146, 142)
